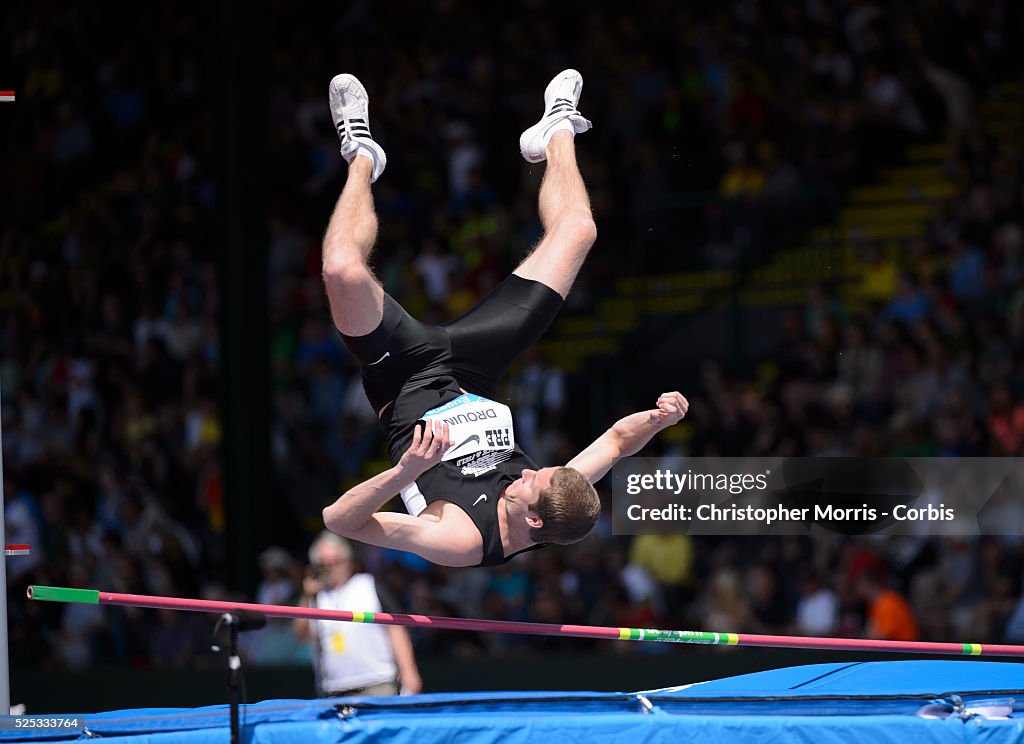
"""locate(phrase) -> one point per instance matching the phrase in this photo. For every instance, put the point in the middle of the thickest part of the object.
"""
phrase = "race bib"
(480, 430)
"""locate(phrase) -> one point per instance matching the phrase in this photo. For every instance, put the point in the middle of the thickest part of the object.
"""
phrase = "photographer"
(352, 658)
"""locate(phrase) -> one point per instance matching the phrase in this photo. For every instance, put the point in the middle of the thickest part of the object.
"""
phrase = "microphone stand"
(234, 666)
(236, 622)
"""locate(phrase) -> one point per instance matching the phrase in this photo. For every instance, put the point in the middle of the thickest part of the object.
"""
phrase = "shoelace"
(357, 127)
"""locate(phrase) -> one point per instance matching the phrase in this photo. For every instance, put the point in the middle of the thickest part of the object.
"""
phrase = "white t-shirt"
(818, 613)
(353, 655)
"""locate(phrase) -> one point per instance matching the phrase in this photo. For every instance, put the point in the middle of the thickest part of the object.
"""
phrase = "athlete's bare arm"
(628, 435)
(357, 505)
(355, 514)
(446, 543)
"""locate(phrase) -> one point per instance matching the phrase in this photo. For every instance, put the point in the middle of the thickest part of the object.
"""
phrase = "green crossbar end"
(63, 594)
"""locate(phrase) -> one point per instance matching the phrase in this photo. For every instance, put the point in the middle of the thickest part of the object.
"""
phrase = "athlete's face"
(521, 495)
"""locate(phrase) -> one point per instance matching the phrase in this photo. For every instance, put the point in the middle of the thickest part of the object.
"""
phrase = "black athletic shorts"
(475, 350)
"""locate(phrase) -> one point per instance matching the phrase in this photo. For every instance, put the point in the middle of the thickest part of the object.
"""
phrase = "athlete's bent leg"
(488, 339)
(569, 229)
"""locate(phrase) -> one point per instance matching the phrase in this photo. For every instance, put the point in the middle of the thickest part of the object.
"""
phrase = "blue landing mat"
(880, 702)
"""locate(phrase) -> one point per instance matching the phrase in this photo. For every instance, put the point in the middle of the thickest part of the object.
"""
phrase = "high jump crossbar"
(92, 596)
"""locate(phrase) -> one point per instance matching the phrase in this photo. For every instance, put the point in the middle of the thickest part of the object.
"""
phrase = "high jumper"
(473, 496)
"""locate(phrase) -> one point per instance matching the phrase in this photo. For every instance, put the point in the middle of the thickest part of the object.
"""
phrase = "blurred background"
(811, 222)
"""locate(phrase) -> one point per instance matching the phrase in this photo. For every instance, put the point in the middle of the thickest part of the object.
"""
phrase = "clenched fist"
(671, 409)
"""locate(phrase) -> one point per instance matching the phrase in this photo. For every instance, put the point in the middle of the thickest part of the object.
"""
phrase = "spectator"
(769, 610)
(1015, 625)
(910, 304)
(889, 616)
(1005, 422)
(277, 644)
(817, 610)
(965, 271)
(352, 658)
(279, 585)
(538, 394)
(723, 605)
(669, 560)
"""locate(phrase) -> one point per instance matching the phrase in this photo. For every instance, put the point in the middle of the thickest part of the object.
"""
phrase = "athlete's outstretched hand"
(671, 409)
(429, 443)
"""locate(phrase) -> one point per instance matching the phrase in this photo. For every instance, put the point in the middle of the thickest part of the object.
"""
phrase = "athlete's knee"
(344, 269)
(580, 227)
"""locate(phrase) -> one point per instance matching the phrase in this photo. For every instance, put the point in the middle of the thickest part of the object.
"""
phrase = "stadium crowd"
(110, 340)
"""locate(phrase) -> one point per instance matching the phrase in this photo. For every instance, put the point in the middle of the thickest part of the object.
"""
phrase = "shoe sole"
(351, 84)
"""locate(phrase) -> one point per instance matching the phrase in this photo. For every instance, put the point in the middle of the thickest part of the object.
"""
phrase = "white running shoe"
(350, 108)
(560, 100)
